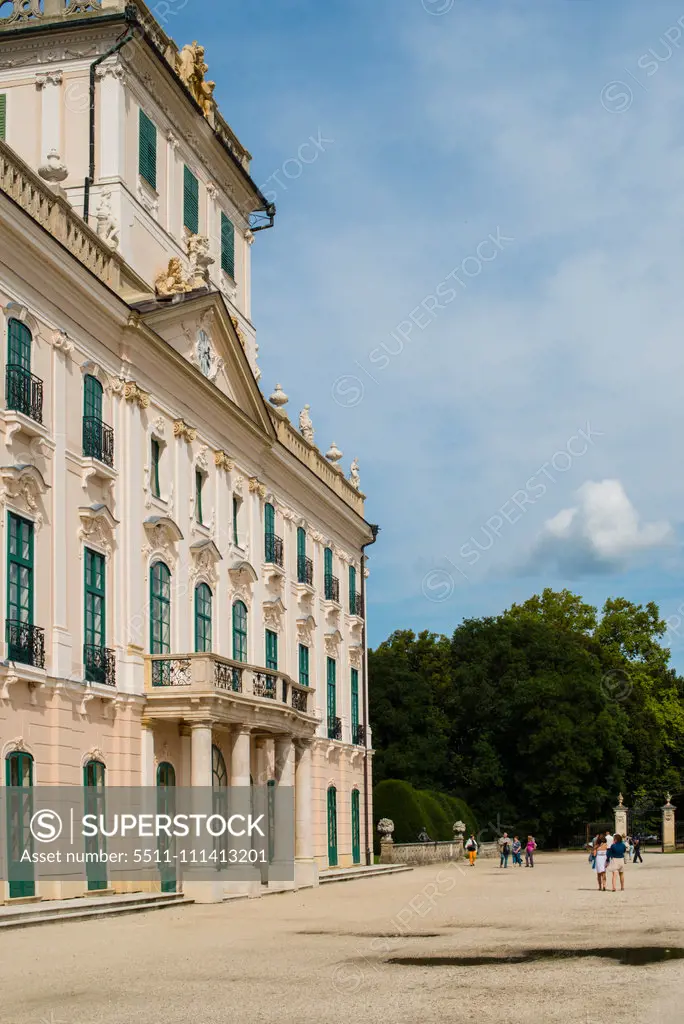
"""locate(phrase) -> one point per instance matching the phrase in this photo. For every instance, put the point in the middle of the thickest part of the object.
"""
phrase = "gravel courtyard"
(325, 956)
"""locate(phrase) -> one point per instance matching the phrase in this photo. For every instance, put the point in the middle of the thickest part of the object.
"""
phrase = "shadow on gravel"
(638, 956)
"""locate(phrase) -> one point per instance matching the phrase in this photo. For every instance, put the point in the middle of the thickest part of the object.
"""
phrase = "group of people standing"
(507, 847)
(609, 853)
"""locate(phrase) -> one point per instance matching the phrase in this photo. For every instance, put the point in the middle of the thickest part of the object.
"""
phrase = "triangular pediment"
(203, 331)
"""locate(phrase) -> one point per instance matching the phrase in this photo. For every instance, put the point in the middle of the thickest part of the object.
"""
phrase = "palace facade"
(184, 570)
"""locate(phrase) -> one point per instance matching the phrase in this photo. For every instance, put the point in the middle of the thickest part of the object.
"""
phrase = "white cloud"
(600, 534)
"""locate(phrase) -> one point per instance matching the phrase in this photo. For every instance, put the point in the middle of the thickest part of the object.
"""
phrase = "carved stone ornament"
(206, 557)
(306, 629)
(111, 69)
(159, 426)
(98, 527)
(332, 643)
(172, 281)
(201, 461)
(238, 484)
(24, 10)
(83, 6)
(184, 432)
(200, 261)
(355, 656)
(44, 78)
(54, 170)
(256, 487)
(354, 477)
(11, 679)
(163, 535)
(107, 225)
(273, 614)
(278, 398)
(129, 390)
(192, 70)
(333, 454)
(242, 577)
(60, 342)
(241, 337)
(386, 828)
(23, 487)
(223, 461)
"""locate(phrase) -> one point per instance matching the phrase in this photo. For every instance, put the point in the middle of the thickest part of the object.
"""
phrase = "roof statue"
(191, 68)
(172, 280)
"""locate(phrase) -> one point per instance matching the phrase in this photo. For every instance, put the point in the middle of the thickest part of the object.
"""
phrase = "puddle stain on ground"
(638, 956)
(374, 935)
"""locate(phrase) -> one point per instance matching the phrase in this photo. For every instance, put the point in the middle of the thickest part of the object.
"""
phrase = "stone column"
(200, 754)
(241, 878)
(620, 818)
(669, 835)
(147, 756)
(306, 869)
(240, 758)
(112, 120)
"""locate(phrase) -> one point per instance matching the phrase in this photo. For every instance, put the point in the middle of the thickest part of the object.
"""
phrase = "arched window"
(166, 775)
(19, 776)
(166, 804)
(332, 827)
(219, 775)
(92, 397)
(24, 393)
(98, 440)
(203, 604)
(239, 631)
(160, 620)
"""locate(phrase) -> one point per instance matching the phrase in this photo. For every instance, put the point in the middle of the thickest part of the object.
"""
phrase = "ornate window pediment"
(205, 556)
(163, 534)
(98, 527)
(332, 643)
(306, 628)
(273, 614)
(243, 576)
(24, 487)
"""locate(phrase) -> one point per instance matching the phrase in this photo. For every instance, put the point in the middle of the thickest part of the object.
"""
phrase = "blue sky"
(534, 151)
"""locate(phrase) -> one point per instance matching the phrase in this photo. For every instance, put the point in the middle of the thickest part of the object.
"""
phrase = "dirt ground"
(362, 950)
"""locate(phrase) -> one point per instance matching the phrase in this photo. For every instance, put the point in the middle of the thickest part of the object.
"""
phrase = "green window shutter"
(269, 532)
(236, 512)
(303, 665)
(332, 827)
(301, 542)
(356, 826)
(154, 476)
(328, 562)
(355, 704)
(332, 694)
(94, 586)
(199, 484)
(3, 115)
(239, 631)
(352, 590)
(19, 345)
(190, 201)
(203, 619)
(147, 164)
(271, 649)
(227, 246)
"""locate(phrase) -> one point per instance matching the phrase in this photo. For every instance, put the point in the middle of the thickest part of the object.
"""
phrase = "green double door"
(19, 780)
(166, 804)
(356, 826)
(94, 803)
(332, 827)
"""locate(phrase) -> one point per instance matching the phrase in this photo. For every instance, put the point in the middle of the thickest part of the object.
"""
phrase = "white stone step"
(353, 874)
(57, 911)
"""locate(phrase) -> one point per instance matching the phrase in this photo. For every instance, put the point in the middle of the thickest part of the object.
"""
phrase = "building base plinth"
(306, 873)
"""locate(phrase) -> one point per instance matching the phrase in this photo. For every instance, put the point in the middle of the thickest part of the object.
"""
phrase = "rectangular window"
(199, 483)
(271, 649)
(147, 156)
(20, 570)
(227, 246)
(353, 610)
(190, 201)
(94, 599)
(236, 513)
(303, 665)
(154, 473)
(3, 115)
(332, 699)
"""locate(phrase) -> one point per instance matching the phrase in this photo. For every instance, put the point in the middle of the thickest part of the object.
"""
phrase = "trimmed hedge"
(412, 810)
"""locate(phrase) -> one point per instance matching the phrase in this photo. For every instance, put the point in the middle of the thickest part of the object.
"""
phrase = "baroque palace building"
(184, 569)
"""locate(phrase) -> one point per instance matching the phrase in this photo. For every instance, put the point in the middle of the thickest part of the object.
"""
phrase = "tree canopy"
(537, 718)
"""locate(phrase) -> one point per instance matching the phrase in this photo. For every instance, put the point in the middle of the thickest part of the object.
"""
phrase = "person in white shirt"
(609, 840)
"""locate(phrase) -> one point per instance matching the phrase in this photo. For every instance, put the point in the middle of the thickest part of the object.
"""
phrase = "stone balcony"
(188, 687)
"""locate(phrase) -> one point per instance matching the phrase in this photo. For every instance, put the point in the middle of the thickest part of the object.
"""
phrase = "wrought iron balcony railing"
(98, 440)
(99, 664)
(359, 737)
(332, 588)
(304, 570)
(334, 728)
(274, 549)
(356, 604)
(212, 673)
(25, 643)
(24, 392)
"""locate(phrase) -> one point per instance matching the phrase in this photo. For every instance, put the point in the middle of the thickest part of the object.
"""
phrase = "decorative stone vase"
(279, 398)
(386, 828)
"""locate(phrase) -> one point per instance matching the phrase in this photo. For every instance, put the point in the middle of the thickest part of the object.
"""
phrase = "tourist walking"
(630, 847)
(616, 861)
(609, 840)
(504, 850)
(638, 859)
(600, 860)
(516, 850)
(530, 847)
(471, 847)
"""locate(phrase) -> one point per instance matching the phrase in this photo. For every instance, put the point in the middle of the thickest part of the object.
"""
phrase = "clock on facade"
(205, 353)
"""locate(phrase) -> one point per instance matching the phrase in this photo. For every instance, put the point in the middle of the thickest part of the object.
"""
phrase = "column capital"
(44, 78)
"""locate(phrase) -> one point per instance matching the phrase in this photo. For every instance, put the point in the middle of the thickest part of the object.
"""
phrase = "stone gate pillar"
(669, 839)
(621, 817)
